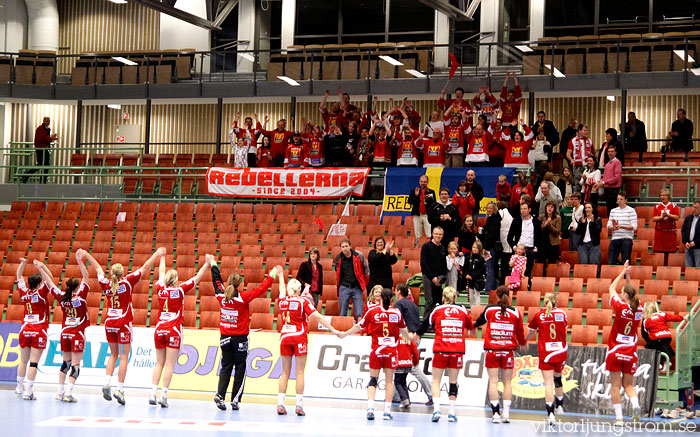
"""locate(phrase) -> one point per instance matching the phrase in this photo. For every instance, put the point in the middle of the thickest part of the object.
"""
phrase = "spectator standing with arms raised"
(665, 215)
(510, 101)
(486, 104)
(690, 236)
(681, 133)
(612, 179)
(248, 134)
(635, 135)
(351, 274)
(433, 265)
(622, 222)
(421, 199)
(279, 139)
(458, 104)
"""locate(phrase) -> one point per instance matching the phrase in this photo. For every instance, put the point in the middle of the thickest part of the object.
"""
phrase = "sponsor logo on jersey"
(35, 298)
(174, 294)
(452, 323)
(293, 306)
(294, 153)
(638, 315)
(627, 313)
(121, 289)
(407, 149)
(278, 137)
(558, 317)
(393, 318)
(516, 152)
(434, 150)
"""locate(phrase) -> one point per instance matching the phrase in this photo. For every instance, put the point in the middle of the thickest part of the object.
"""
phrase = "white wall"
(13, 25)
(536, 19)
(246, 32)
(489, 11)
(177, 34)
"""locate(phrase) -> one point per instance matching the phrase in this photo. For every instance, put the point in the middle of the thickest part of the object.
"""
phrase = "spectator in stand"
(279, 138)
(526, 230)
(445, 215)
(541, 150)
(575, 218)
(315, 146)
(477, 192)
(550, 132)
(690, 236)
(381, 142)
(568, 134)
(433, 149)
(248, 134)
(478, 143)
(682, 133)
(352, 139)
(264, 153)
(551, 234)
(345, 104)
(503, 249)
(588, 230)
(337, 154)
(517, 263)
(490, 238)
(566, 212)
(612, 179)
(240, 153)
(334, 117)
(454, 139)
(522, 187)
(486, 104)
(351, 274)
(580, 147)
(590, 182)
(497, 150)
(363, 153)
(467, 235)
(566, 182)
(510, 101)
(458, 104)
(463, 200)
(546, 194)
(656, 333)
(407, 114)
(381, 258)
(436, 122)
(296, 153)
(407, 153)
(635, 135)
(311, 273)
(518, 148)
(503, 189)
(420, 200)
(665, 216)
(610, 140)
(475, 272)
(455, 266)
(622, 223)
(42, 141)
(433, 267)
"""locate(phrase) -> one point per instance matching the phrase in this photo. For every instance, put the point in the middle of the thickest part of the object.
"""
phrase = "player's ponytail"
(170, 278)
(234, 280)
(503, 295)
(650, 308)
(386, 298)
(550, 301)
(71, 285)
(117, 271)
(632, 298)
(449, 295)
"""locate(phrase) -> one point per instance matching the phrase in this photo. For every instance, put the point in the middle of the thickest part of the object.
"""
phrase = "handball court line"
(272, 428)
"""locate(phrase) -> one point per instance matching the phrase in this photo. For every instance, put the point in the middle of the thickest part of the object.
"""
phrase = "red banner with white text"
(279, 183)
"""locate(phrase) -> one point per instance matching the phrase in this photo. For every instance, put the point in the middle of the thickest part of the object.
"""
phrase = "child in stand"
(475, 272)
(455, 264)
(503, 189)
(467, 234)
(518, 262)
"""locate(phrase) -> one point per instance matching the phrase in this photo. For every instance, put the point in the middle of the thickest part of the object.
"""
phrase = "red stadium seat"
(544, 285)
(332, 308)
(558, 270)
(598, 317)
(573, 316)
(260, 305)
(656, 287)
(209, 319)
(585, 301)
(261, 321)
(641, 272)
(692, 273)
(610, 272)
(669, 273)
(674, 304)
(598, 286)
(571, 285)
(528, 298)
(682, 288)
(585, 271)
(585, 335)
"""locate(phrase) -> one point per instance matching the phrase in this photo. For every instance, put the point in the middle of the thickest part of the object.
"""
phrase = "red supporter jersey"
(657, 327)
(510, 110)
(332, 119)
(384, 326)
(75, 310)
(295, 312)
(382, 153)
(315, 151)
(450, 322)
(171, 303)
(120, 312)
(623, 336)
(36, 307)
(461, 105)
(517, 190)
(278, 140)
(408, 353)
(666, 224)
(454, 137)
(581, 149)
(408, 152)
(433, 153)
(517, 153)
(551, 334)
(502, 331)
(295, 156)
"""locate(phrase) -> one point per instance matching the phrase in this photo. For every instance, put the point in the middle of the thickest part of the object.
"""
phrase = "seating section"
(30, 67)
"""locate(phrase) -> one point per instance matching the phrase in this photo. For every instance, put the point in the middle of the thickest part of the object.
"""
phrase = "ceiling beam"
(179, 14)
(225, 10)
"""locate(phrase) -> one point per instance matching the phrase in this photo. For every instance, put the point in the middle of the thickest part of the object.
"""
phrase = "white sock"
(108, 380)
(70, 389)
(494, 403)
(154, 390)
(61, 388)
(300, 400)
(618, 410)
(120, 386)
(506, 407)
(280, 398)
(635, 402)
(436, 404)
(20, 381)
(560, 398)
(165, 392)
(387, 407)
(370, 404)
(30, 386)
(452, 406)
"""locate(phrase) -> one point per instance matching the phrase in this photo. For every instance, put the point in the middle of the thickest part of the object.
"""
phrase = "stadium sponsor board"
(279, 183)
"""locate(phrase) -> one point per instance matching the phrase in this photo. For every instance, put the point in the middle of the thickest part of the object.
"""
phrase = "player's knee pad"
(35, 365)
(454, 388)
(557, 382)
(75, 371)
(65, 366)
(372, 381)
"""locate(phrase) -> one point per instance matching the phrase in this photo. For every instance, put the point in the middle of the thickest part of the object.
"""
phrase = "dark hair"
(316, 251)
(632, 296)
(248, 118)
(517, 132)
(71, 285)
(386, 298)
(612, 131)
(462, 183)
(612, 147)
(581, 126)
(623, 194)
(403, 289)
(33, 281)
(576, 196)
(526, 199)
(345, 240)
(554, 212)
(483, 117)
(595, 161)
(541, 112)
(503, 295)
(377, 239)
(459, 88)
(445, 189)
(682, 110)
(593, 208)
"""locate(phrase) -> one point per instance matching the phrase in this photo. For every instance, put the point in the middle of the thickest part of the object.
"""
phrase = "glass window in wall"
(569, 17)
(317, 18)
(363, 16)
(411, 16)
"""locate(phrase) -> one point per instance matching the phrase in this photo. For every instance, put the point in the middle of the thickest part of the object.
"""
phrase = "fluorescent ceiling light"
(390, 60)
(289, 80)
(119, 2)
(611, 98)
(115, 106)
(523, 48)
(124, 60)
(557, 73)
(414, 72)
(681, 54)
(247, 57)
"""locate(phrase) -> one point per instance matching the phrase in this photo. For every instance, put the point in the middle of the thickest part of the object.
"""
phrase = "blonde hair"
(665, 191)
(452, 243)
(649, 309)
(374, 289)
(550, 301)
(117, 271)
(449, 295)
(293, 287)
(234, 280)
(170, 278)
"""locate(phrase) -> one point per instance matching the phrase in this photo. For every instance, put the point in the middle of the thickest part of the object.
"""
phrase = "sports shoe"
(69, 399)
(429, 403)
(281, 411)
(388, 416)
(665, 413)
(119, 396)
(506, 418)
(234, 406)
(496, 418)
(370, 413)
(436, 416)
(636, 414)
(220, 403)
(673, 414)
(619, 422)
(107, 393)
(299, 411)
(163, 401)
(28, 396)
(19, 390)
(559, 410)
(152, 400)
(59, 396)
(551, 420)
(451, 418)
(405, 403)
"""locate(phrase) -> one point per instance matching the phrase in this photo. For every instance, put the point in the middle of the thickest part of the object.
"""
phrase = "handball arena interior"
(256, 130)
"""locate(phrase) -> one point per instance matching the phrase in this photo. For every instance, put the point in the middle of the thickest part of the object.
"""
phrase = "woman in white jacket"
(503, 253)
(590, 177)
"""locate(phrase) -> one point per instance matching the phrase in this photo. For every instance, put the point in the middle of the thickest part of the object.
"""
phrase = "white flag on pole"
(338, 229)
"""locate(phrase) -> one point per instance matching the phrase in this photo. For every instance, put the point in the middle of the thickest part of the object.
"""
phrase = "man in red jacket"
(279, 139)
(351, 274)
(42, 141)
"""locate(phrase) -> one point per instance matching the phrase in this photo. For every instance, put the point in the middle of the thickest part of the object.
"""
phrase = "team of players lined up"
(502, 334)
